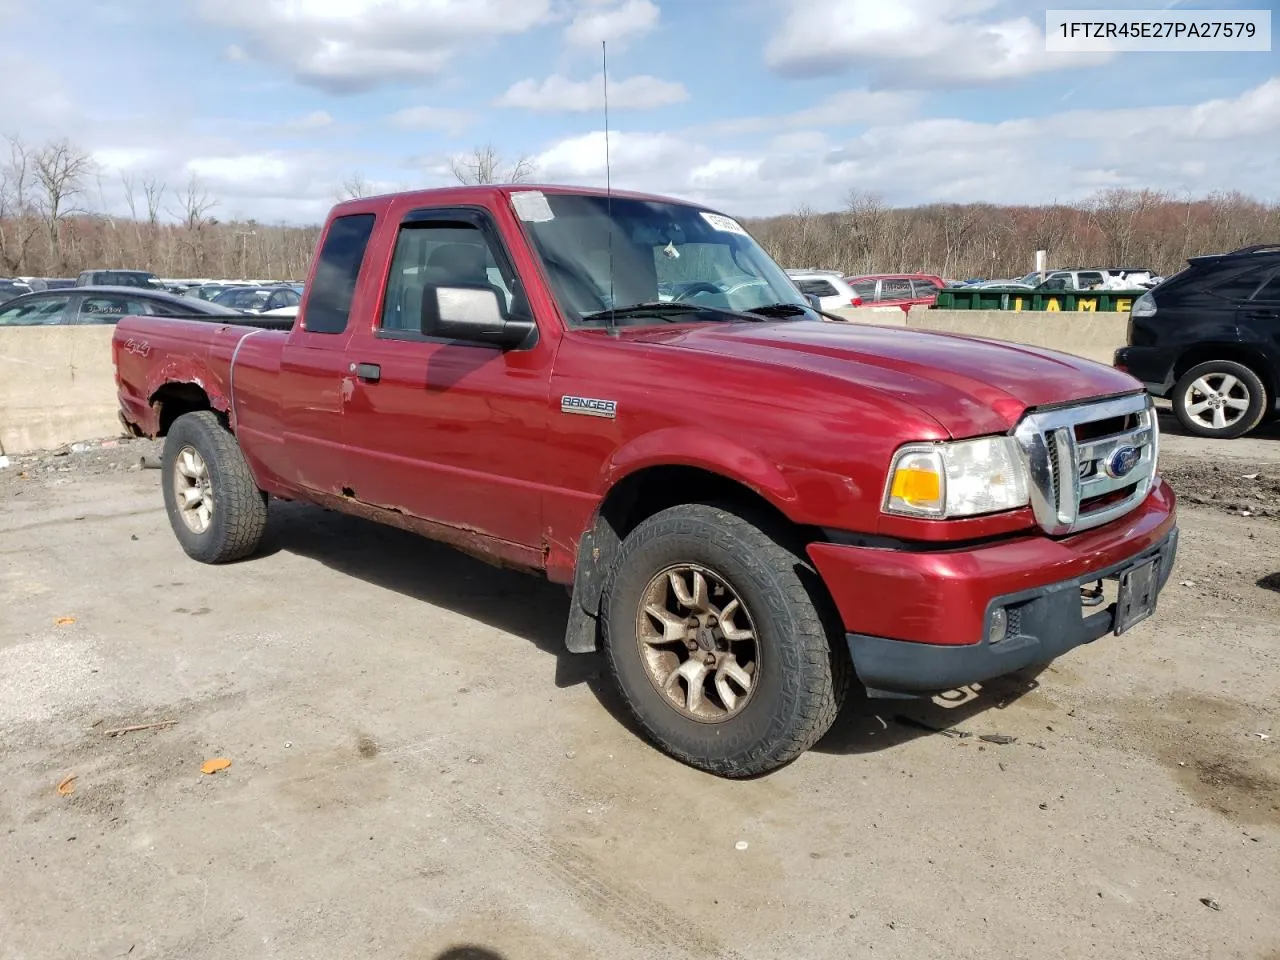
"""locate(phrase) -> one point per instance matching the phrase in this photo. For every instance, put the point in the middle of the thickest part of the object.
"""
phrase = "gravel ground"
(417, 771)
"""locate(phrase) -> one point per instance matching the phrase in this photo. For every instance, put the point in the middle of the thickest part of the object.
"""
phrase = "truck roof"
(493, 191)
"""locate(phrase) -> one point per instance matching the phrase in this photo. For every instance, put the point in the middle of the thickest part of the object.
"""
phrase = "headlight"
(963, 478)
(1144, 306)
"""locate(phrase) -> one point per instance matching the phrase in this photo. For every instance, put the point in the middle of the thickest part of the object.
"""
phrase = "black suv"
(1208, 338)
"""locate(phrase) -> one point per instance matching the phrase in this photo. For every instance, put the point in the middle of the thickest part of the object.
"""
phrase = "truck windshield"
(603, 254)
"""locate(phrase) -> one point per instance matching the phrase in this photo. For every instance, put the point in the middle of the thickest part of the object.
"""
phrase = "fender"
(598, 544)
(688, 446)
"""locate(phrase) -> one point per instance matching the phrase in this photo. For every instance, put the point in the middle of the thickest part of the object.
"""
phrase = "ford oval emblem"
(1122, 461)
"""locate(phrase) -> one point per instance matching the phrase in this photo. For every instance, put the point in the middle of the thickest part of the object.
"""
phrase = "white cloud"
(560, 94)
(444, 119)
(582, 159)
(124, 160)
(243, 170)
(316, 120)
(352, 45)
(600, 20)
(42, 97)
(914, 43)
(842, 109)
(1218, 145)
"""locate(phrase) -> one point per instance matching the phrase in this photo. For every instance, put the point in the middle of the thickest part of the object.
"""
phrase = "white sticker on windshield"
(531, 206)
(720, 222)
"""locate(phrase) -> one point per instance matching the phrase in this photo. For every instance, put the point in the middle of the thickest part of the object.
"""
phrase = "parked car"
(751, 505)
(12, 288)
(143, 279)
(208, 291)
(258, 299)
(829, 286)
(1208, 338)
(51, 283)
(897, 289)
(100, 305)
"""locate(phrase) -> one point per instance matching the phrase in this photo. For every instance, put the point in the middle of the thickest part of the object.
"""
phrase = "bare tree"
(355, 186)
(194, 204)
(60, 170)
(484, 165)
(866, 223)
(1117, 214)
(18, 223)
(153, 191)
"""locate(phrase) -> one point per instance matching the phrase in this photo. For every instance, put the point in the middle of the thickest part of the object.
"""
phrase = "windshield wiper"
(795, 310)
(780, 310)
(668, 310)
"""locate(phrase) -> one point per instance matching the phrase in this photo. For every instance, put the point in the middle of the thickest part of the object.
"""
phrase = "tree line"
(52, 223)
(1112, 228)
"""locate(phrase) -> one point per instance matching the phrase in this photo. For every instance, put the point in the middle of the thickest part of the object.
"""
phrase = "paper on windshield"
(723, 223)
(531, 206)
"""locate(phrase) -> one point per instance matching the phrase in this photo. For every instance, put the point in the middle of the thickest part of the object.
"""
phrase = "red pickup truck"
(752, 505)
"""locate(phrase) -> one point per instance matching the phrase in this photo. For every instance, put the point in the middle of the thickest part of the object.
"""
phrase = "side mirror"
(815, 301)
(471, 313)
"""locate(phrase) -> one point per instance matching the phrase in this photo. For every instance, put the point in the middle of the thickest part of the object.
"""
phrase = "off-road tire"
(239, 516)
(805, 672)
(1259, 401)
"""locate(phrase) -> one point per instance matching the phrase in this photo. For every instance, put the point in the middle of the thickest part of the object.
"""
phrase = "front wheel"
(719, 639)
(1220, 398)
(215, 508)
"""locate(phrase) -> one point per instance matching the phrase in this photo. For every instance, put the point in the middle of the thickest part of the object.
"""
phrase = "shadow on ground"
(535, 610)
(469, 952)
(525, 606)
(867, 726)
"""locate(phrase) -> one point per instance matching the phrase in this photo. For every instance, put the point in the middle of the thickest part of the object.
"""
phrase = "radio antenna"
(608, 176)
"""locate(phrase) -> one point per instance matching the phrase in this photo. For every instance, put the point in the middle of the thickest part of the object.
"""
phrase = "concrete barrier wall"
(57, 385)
(1094, 336)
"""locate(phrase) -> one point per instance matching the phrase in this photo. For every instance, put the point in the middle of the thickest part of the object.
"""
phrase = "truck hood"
(969, 385)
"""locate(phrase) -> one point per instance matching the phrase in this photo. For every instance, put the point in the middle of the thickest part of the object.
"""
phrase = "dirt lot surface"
(417, 768)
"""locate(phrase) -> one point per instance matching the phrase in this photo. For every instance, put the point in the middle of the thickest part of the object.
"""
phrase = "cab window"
(441, 254)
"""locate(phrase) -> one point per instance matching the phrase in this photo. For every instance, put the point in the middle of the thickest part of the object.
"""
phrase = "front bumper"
(917, 619)
(1048, 622)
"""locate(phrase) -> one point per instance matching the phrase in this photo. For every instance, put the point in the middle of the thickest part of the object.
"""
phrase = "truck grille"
(1091, 463)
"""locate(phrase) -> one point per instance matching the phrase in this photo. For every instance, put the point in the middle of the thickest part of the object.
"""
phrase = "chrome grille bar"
(1080, 484)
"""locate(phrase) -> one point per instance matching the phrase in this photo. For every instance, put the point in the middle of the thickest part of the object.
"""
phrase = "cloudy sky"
(755, 106)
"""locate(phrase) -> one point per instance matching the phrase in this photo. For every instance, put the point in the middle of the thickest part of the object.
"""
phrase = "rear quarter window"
(337, 270)
(1237, 284)
(817, 288)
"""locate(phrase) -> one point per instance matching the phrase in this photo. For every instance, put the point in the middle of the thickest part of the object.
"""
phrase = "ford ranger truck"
(752, 504)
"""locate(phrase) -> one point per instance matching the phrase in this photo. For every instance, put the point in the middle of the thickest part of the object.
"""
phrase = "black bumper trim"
(1044, 624)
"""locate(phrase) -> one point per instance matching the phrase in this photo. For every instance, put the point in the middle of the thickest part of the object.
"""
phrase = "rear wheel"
(1220, 398)
(719, 640)
(215, 508)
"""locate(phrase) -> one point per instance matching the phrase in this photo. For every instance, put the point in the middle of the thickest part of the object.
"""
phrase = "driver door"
(447, 430)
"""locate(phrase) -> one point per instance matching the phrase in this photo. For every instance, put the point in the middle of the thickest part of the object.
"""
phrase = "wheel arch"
(177, 397)
(1241, 353)
(648, 488)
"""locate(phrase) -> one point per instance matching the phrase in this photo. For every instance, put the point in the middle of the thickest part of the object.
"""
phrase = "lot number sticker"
(723, 223)
(532, 207)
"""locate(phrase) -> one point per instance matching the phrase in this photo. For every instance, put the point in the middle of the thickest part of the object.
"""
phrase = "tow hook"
(1091, 596)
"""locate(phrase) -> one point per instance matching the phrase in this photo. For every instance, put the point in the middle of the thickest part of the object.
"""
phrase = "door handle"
(1262, 314)
(368, 372)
